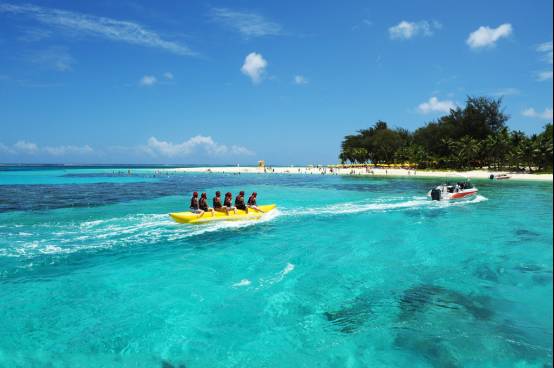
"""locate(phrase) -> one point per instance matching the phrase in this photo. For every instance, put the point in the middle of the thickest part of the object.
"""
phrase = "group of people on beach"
(200, 206)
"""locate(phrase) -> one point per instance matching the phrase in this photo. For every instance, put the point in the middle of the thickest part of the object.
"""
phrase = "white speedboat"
(499, 176)
(446, 192)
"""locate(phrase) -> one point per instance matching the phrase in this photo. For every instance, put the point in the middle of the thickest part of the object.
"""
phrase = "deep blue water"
(349, 272)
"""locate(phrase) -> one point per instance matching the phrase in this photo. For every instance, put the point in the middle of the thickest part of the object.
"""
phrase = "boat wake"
(50, 238)
(140, 229)
(380, 206)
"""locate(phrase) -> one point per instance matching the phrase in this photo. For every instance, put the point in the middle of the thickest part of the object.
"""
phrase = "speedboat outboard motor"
(436, 194)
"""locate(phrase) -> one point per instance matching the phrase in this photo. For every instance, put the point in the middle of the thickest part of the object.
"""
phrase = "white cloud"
(63, 150)
(544, 75)
(25, 147)
(168, 76)
(300, 79)
(30, 148)
(148, 80)
(34, 35)
(90, 25)
(6, 149)
(169, 149)
(487, 37)
(254, 66)
(546, 49)
(435, 105)
(57, 58)
(248, 24)
(406, 30)
(506, 92)
(532, 113)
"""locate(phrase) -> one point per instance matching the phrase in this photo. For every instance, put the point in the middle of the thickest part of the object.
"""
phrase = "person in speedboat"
(252, 202)
(227, 203)
(203, 204)
(239, 202)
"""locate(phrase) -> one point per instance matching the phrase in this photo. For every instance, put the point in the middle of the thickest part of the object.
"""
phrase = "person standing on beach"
(195, 205)
(239, 202)
(252, 202)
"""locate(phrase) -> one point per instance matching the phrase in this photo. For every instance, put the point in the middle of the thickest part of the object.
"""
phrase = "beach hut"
(261, 164)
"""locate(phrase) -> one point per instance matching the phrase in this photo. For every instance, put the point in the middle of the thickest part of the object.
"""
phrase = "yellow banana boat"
(192, 218)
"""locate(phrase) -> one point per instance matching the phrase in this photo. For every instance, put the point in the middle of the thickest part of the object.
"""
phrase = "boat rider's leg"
(255, 208)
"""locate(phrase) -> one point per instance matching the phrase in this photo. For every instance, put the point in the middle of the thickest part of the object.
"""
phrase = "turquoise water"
(349, 272)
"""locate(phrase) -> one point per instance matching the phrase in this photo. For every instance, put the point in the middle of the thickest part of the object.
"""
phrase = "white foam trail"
(279, 277)
(287, 269)
(353, 207)
(123, 231)
(243, 282)
(348, 208)
(139, 229)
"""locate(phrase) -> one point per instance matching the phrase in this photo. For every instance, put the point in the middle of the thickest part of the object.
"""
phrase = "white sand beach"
(323, 170)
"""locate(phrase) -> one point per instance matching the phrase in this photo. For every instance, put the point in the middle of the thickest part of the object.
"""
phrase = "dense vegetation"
(475, 136)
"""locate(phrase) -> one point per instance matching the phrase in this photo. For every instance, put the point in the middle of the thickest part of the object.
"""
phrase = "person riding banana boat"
(228, 202)
(239, 202)
(252, 202)
(195, 205)
(222, 207)
(221, 210)
(203, 204)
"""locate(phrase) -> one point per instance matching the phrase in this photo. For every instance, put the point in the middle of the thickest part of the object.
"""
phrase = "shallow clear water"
(349, 272)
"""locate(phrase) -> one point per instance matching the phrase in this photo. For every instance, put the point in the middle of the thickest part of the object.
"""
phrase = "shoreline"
(379, 172)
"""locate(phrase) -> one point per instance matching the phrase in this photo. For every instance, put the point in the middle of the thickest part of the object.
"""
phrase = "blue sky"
(234, 82)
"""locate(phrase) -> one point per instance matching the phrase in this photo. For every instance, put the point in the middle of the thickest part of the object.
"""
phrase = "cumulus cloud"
(406, 30)
(90, 25)
(25, 147)
(254, 67)
(63, 150)
(532, 113)
(247, 23)
(168, 76)
(485, 36)
(148, 80)
(435, 105)
(300, 79)
(5, 149)
(206, 143)
(30, 148)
